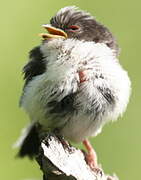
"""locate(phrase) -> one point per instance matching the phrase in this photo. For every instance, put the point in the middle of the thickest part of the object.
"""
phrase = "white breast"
(65, 59)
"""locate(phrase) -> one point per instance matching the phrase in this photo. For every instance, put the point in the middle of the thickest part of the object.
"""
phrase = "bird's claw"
(93, 164)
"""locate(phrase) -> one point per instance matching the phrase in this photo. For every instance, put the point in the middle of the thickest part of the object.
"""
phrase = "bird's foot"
(91, 158)
(64, 142)
(92, 163)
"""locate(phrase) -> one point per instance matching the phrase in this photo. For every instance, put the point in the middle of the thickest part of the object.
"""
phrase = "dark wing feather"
(36, 65)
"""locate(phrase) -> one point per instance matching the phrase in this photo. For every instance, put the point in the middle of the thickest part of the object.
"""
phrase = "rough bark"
(60, 161)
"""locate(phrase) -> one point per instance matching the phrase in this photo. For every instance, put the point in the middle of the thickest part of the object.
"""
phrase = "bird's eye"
(73, 28)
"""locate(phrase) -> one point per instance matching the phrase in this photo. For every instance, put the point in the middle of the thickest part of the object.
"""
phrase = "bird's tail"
(28, 142)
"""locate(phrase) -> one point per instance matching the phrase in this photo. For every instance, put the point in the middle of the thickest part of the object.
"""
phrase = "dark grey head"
(81, 25)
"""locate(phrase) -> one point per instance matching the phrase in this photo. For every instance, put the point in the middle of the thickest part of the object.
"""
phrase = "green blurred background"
(119, 146)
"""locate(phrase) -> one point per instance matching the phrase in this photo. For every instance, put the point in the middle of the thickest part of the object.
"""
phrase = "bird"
(74, 82)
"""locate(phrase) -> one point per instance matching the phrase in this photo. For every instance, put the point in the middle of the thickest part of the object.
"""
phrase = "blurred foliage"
(119, 145)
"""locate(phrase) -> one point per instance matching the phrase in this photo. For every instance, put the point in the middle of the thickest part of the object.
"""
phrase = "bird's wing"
(35, 66)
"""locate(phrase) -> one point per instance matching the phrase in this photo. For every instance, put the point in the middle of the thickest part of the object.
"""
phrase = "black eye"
(73, 28)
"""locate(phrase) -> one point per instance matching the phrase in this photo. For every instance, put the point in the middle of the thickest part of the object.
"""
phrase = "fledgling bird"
(74, 83)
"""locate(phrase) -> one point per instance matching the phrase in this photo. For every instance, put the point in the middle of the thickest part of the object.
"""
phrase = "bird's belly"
(79, 114)
(77, 109)
(79, 127)
(91, 112)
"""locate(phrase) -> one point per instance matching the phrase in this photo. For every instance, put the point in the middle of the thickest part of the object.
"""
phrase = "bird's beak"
(53, 32)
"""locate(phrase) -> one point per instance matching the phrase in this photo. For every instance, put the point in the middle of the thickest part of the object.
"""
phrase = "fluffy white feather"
(65, 59)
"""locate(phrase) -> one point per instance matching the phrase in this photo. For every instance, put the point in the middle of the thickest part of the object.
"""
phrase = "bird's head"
(70, 22)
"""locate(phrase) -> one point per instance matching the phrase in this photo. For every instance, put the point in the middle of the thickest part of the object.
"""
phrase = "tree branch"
(60, 161)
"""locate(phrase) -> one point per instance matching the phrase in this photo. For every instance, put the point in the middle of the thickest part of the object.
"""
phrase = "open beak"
(53, 32)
